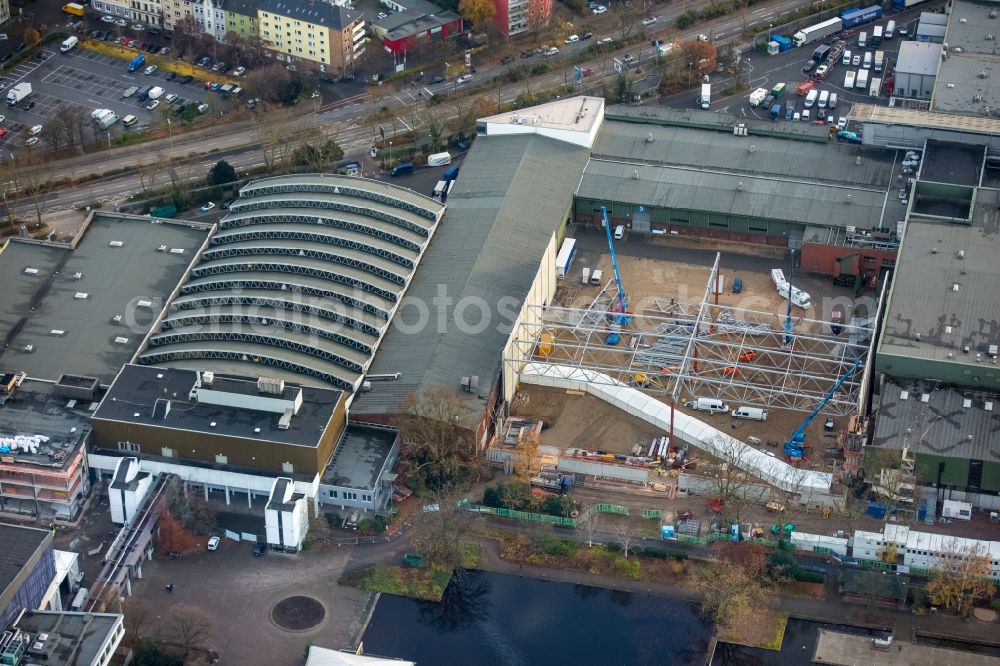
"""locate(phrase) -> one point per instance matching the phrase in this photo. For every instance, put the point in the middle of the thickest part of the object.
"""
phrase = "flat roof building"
(84, 310)
(184, 415)
(966, 81)
(941, 321)
(73, 639)
(493, 256)
(916, 69)
(360, 473)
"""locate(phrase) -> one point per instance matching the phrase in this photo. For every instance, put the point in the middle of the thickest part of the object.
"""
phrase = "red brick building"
(513, 17)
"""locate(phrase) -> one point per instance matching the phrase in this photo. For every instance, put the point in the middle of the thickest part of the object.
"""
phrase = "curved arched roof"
(303, 277)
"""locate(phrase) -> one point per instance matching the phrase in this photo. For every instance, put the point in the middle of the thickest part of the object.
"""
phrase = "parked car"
(3, 132)
(171, 98)
(35, 131)
(506, 60)
(29, 105)
(599, 9)
(552, 51)
(152, 105)
(138, 27)
(572, 39)
(149, 70)
(239, 71)
(465, 78)
(171, 76)
(107, 19)
(213, 543)
(207, 207)
(649, 20)
(586, 35)
(187, 78)
(165, 50)
(202, 108)
(821, 71)
(32, 140)
(436, 79)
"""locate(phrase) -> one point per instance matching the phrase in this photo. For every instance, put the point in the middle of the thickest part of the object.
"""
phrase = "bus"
(565, 258)
(73, 8)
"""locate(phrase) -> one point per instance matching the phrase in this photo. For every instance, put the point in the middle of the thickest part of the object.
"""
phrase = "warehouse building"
(491, 261)
(82, 307)
(916, 69)
(664, 171)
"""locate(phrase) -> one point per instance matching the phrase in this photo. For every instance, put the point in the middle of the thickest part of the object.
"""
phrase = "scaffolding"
(690, 349)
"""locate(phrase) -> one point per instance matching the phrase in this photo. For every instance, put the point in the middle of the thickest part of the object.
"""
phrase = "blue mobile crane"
(795, 446)
(620, 317)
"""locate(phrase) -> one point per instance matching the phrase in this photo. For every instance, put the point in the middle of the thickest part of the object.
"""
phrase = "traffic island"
(298, 613)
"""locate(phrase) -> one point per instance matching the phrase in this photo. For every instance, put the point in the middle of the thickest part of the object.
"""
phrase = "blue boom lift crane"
(795, 446)
(620, 317)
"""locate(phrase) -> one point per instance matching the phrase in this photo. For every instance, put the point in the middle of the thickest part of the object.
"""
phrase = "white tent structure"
(686, 428)
(319, 656)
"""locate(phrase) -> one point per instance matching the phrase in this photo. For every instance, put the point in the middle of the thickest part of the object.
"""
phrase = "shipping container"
(856, 17)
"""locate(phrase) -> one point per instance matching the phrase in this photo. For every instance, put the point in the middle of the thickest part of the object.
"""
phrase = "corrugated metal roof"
(511, 196)
(687, 188)
(942, 426)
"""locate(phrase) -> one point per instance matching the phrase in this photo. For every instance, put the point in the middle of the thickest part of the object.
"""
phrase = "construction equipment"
(620, 315)
(795, 446)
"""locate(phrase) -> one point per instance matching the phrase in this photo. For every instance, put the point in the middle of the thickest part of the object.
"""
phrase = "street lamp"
(769, 26)
(390, 152)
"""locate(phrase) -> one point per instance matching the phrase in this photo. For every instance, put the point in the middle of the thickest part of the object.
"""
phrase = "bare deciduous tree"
(137, 612)
(191, 627)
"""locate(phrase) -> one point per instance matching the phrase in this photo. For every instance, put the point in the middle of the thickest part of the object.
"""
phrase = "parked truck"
(817, 31)
(854, 17)
(849, 78)
(879, 61)
(105, 117)
(17, 93)
(775, 111)
(900, 5)
(136, 63)
(877, 36)
(757, 96)
(705, 99)
(862, 80)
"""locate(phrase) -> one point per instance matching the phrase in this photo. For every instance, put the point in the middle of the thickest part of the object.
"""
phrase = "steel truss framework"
(220, 243)
(292, 186)
(313, 202)
(243, 284)
(313, 218)
(687, 350)
(189, 321)
(167, 354)
(240, 250)
(318, 308)
(205, 270)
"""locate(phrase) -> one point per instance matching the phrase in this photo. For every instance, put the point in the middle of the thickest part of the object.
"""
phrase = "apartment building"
(210, 15)
(514, 17)
(317, 32)
(241, 19)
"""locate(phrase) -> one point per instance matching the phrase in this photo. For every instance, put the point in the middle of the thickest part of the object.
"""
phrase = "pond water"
(497, 619)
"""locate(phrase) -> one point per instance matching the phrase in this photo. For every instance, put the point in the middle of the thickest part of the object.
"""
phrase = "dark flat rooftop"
(63, 302)
(359, 458)
(19, 544)
(952, 163)
(135, 392)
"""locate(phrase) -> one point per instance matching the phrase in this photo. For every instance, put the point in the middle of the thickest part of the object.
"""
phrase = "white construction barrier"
(686, 428)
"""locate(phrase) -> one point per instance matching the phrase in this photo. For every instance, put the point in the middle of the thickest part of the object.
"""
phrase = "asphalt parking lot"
(86, 80)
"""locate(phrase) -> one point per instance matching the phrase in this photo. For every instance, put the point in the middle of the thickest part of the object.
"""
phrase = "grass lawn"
(426, 583)
(764, 630)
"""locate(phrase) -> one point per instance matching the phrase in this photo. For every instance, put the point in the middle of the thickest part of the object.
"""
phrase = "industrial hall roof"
(303, 277)
(84, 309)
(668, 160)
(940, 421)
(943, 303)
(512, 195)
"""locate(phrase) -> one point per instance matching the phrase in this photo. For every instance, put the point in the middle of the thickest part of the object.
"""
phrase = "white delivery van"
(439, 159)
(156, 93)
(811, 98)
(708, 405)
(824, 99)
(620, 232)
(751, 413)
(440, 189)
(69, 44)
(595, 277)
(129, 120)
(868, 60)
(862, 39)
(832, 104)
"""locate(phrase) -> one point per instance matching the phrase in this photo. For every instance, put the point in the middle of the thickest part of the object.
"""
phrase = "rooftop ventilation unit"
(961, 254)
(117, 319)
(27, 349)
(207, 377)
(31, 271)
(77, 276)
(966, 403)
(925, 397)
(954, 286)
(993, 350)
(285, 422)
(56, 331)
(270, 386)
(121, 340)
(635, 174)
(982, 74)
(81, 295)
(161, 248)
(947, 329)
(904, 395)
(988, 405)
(116, 244)
(144, 304)
(649, 138)
(739, 186)
(177, 250)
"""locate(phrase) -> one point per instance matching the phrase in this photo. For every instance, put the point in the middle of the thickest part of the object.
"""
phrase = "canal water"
(491, 619)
